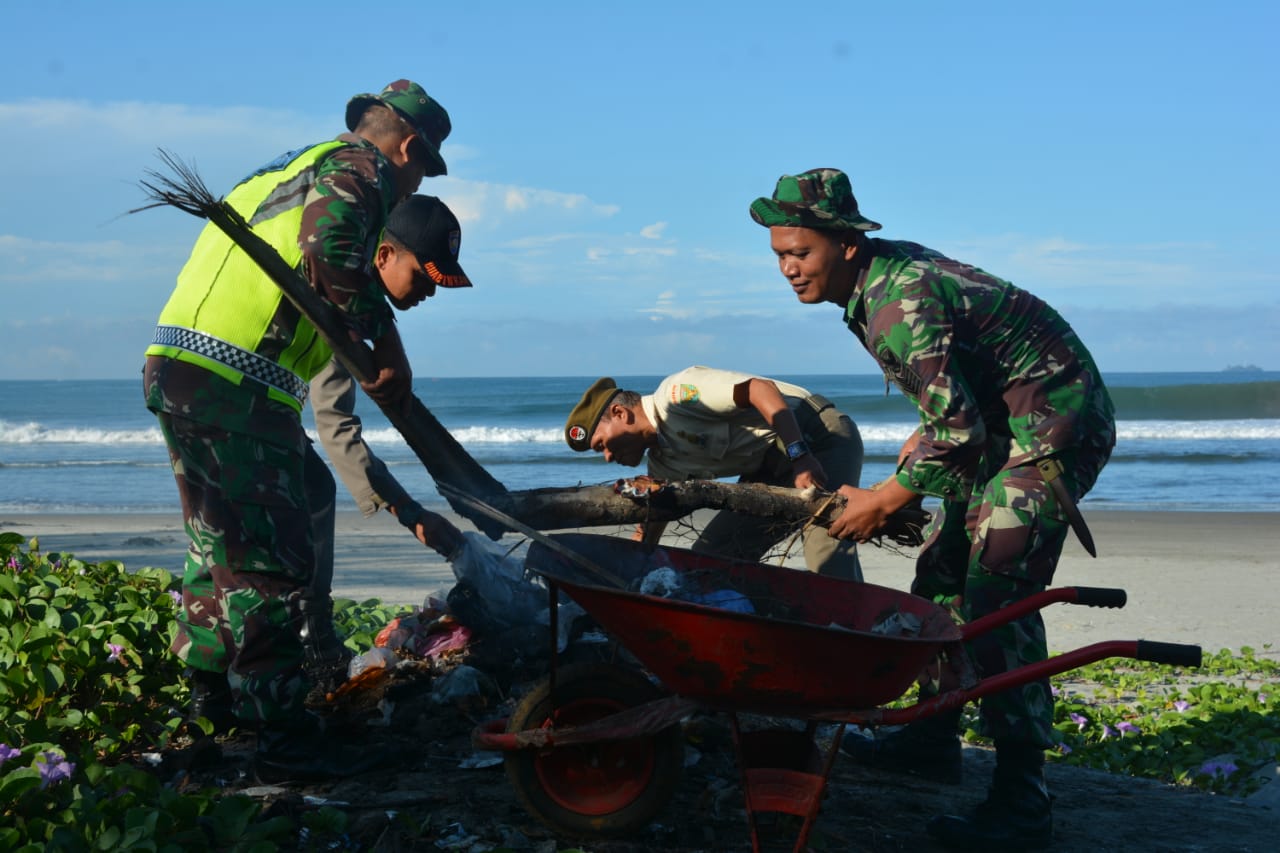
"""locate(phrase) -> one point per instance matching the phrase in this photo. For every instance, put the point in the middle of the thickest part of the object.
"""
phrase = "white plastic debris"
(664, 582)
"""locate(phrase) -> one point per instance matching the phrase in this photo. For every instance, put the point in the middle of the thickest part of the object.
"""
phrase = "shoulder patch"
(684, 394)
(902, 374)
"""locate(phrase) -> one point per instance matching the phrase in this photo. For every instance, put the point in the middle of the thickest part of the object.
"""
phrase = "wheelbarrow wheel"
(595, 789)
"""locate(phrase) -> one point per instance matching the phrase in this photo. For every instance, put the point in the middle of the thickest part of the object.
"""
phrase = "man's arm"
(765, 398)
(333, 399)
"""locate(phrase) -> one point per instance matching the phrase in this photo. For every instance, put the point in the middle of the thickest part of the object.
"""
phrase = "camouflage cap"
(818, 198)
(586, 416)
(415, 106)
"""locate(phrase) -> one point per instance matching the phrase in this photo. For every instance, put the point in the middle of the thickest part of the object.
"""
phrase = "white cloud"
(654, 231)
(25, 259)
(646, 250)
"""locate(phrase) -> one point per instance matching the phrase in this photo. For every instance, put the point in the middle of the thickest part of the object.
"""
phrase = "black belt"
(809, 415)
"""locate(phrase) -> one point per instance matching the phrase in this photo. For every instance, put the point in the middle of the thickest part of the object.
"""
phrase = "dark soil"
(437, 792)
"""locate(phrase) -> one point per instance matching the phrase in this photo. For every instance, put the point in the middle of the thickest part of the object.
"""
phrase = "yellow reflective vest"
(223, 304)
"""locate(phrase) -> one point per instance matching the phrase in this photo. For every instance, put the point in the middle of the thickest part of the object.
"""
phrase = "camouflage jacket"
(342, 221)
(993, 370)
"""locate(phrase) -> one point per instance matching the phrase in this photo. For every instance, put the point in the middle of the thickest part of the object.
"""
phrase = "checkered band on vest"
(250, 364)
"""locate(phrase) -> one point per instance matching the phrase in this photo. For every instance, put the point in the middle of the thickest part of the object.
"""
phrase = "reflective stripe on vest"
(223, 295)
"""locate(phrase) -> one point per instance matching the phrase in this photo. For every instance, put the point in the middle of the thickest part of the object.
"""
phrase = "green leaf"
(17, 782)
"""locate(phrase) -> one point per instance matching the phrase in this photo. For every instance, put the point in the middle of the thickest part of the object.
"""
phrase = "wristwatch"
(796, 449)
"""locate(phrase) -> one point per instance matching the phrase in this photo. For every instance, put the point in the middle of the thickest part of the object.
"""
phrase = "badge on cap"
(577, 433)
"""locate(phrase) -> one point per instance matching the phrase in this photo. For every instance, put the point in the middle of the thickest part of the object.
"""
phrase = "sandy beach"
(1206, 578)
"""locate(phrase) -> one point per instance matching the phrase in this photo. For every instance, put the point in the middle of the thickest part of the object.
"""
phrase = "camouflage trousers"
(997, 549)
(248, 564)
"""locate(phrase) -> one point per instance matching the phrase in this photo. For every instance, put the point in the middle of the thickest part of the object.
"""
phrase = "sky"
(1117, 159)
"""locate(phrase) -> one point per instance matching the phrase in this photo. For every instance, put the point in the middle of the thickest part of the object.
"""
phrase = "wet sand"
(1191, 577)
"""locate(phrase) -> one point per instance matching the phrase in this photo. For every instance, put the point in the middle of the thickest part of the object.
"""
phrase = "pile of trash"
(468, 643)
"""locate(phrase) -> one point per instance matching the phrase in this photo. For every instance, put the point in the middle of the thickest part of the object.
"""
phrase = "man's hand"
(393, 386)
(808, 472)
(438, 533)
(866, 510)
(431, 529)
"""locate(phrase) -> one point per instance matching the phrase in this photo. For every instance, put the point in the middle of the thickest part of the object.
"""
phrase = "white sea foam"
(31, 432)
(35, 433)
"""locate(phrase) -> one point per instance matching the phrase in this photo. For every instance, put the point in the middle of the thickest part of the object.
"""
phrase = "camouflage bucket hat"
(428, 119)
(586, 416)
(818, 198)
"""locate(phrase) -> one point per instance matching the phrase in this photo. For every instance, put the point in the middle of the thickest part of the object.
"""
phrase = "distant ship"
(1242, 368)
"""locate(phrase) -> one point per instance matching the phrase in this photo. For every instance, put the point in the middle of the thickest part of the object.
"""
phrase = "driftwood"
(641, 500)
(470, 489)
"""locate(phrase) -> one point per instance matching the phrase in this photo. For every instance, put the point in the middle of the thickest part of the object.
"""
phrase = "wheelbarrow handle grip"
(1096, 596)
(1174, 654)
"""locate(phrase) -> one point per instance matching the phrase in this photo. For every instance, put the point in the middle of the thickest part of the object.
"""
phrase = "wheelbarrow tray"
(813, 644)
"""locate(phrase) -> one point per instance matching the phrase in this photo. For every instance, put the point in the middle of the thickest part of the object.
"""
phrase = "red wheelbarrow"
(596, 750)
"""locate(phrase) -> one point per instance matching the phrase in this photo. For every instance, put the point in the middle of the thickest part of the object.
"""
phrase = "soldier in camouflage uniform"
(1015, 426)
(227, 375)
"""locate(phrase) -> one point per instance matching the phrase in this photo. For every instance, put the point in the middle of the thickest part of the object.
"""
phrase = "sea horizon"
(1205, 441)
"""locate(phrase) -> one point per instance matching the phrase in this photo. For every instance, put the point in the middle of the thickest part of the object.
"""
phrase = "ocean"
(1187, 441)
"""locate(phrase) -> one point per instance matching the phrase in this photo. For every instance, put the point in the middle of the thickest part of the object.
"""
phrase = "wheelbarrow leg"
(783, 771)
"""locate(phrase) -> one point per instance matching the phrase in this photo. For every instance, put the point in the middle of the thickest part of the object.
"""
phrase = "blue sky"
(1118, 159)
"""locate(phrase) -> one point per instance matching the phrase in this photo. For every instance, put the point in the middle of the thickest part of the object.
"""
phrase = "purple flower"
(1127, 728)
(1080, 721)
(1218, 768)
(1107, 731)
(53, 767)
(116, 649)
(13, 563)
(1181, 705)
(1063, 749)
(176, 596)
(7, 752)
(1262, 698)
(1054, 691)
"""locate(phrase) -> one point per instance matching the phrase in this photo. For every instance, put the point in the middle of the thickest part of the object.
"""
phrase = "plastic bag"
(498, 578)
(377, 657)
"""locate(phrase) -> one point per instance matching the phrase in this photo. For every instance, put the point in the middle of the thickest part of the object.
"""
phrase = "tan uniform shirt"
(702, 433)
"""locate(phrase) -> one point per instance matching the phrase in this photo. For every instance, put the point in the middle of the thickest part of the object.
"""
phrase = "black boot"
(929, 748)
(300, 751)
(327, 658)
(1017, 814)
(211, 700)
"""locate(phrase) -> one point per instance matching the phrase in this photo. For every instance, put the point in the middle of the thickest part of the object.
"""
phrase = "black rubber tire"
(600, 789)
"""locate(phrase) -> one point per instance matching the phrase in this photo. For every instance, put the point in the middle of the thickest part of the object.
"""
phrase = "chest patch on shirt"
(684, 393)
(902, 374)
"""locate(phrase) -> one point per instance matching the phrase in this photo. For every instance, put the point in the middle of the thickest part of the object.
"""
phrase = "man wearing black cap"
(425, 229)
(227, 374)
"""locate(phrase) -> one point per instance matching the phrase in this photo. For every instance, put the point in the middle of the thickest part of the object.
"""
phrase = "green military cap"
(586, 416)
(427, 118)
(818, 198)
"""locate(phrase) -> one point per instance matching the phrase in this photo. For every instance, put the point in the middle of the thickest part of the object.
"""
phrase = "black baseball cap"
(426, 226)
